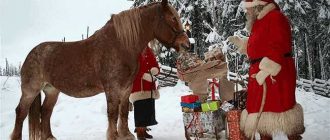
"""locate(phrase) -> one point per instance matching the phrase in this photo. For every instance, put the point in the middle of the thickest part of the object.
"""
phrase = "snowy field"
(85, 119)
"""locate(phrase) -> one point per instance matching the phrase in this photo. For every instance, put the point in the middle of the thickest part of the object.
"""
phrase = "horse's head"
(169, 30)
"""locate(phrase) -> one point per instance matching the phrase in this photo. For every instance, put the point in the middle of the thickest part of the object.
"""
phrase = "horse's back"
(32, 67)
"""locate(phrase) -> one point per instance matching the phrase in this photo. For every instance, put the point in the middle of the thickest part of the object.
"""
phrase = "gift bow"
(213, 84)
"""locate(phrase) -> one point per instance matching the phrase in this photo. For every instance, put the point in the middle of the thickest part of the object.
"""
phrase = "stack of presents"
(202, 119)
(207, 119)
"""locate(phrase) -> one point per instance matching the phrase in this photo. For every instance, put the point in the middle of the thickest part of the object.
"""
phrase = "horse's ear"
(164, 2)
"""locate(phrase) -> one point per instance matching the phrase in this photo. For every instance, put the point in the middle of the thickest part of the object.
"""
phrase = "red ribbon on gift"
(213, 84)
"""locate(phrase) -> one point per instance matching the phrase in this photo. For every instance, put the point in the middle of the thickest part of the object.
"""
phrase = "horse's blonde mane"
(128, 26)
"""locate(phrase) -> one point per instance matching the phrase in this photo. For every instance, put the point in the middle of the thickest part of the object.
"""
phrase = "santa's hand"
(234, 39)
(240, 43)
(148, 77)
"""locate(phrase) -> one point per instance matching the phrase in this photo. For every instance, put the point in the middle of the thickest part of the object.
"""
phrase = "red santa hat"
(253, 3)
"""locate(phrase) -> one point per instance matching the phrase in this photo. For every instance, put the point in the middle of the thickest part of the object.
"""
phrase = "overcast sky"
(26, 23)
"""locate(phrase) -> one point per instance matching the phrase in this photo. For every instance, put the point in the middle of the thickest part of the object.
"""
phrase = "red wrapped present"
(234, 131)
(234, 116)
(189, 98)
(233, 119)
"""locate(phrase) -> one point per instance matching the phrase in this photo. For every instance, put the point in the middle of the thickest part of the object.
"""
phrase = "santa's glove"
(267, 68)
(154, 71)
(240, 43)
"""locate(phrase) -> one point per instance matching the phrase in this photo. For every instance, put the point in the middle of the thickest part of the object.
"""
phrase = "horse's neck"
(148, 23)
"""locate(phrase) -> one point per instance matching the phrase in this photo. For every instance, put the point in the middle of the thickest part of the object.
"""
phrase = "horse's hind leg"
(28, 96)
(123, 130)
(46, 112)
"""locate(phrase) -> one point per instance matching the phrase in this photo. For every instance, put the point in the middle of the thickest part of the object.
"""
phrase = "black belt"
(253, 61)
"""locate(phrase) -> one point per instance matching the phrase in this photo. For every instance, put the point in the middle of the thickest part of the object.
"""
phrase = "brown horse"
(105, 62)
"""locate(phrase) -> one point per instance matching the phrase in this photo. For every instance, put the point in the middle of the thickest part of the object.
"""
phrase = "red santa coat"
(271, 37)
(142, 88)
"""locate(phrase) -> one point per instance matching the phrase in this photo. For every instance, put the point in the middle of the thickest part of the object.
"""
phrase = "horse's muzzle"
(185, 46)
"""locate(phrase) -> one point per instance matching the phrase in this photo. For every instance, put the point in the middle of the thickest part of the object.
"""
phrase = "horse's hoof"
(15, 137)
(130, 136)
(51, 138)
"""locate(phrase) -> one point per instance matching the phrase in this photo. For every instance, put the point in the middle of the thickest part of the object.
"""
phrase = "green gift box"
(210, 106)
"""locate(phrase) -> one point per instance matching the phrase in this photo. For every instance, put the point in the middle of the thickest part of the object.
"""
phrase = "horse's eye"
(174, 19)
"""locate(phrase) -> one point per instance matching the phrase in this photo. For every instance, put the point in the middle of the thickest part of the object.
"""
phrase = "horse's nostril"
(185, 46)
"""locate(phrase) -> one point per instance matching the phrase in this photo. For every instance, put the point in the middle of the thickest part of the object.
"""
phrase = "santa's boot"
(140, 133)
(295, 137)
(148, 136)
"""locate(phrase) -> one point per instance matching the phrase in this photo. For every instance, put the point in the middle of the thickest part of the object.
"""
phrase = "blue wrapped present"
(191, 105)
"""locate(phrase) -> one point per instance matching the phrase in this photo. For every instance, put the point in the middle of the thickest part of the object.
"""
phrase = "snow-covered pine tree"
(141, 2)
(230, 17)
(7, 68)
(197, 27)
(309, 37)
(322, 39)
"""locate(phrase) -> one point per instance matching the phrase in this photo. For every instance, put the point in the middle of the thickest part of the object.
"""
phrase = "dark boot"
(140, 133)
(266, 137)
(295, 137)
(148, 136)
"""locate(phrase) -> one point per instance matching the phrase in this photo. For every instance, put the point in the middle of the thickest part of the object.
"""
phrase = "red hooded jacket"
(142, 88)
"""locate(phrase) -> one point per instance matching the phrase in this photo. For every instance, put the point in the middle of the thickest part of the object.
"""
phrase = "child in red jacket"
(144, 93)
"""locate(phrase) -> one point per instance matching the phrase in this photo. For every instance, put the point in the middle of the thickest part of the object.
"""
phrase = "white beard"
(252, 18)
(249, 23)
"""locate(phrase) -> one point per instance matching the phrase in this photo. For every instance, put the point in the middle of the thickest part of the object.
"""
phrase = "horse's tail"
(34, 119)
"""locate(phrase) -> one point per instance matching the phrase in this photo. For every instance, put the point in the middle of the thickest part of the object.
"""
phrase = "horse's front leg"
(113, 101)
(123, 129)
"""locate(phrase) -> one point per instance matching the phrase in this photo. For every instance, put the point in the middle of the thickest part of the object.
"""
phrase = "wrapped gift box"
(191, 110)
(189, 98)
(234, 116)
(233, 119)
(211, 106)
(191, 105)
(211, 122)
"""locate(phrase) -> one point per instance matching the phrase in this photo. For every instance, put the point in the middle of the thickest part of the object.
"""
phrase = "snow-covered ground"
(85, 118)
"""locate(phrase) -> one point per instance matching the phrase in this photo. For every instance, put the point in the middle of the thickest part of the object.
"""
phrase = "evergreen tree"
(141, 2)
(7, 68)
(197, 27)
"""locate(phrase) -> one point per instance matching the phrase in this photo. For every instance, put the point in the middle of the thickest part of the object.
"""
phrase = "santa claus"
(271, 103)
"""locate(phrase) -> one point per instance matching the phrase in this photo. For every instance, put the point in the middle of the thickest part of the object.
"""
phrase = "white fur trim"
(269, 66)
(290, 122)
(140, 95)
(261, 77)
(154, 70)
(266, 10)
(253, 3)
